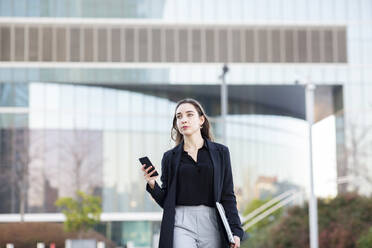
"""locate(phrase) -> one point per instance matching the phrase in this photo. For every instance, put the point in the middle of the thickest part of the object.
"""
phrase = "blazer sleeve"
(159, 193)
(228, 199)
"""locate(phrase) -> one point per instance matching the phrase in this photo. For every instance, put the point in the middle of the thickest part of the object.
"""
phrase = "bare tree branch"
(357, 155)
(81, 151)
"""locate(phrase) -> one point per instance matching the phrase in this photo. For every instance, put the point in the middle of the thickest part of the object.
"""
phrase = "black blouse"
(195, 179)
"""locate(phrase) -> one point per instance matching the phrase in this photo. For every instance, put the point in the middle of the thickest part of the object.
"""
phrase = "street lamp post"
(313, 208)
(224, 106)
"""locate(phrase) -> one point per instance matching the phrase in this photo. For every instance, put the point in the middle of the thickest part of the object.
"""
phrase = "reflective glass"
(121, 125)
(14, 95)
(8, 121)
(6, 7)
(19, 8)
(33, 10)
(137, 232)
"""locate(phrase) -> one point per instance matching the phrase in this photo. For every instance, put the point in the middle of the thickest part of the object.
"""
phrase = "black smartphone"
(146, 160)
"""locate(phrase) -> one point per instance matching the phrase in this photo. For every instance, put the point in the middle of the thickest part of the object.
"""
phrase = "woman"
(196, 174)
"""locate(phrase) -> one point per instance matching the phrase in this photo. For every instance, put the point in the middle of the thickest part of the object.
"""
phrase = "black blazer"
(223, 186)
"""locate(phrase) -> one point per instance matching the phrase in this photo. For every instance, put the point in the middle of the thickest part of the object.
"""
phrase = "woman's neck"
(193, 142)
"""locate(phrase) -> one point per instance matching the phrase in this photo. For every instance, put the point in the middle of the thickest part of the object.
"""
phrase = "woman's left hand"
(237, 242)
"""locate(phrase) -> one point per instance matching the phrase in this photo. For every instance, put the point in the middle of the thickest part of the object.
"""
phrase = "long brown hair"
(206, 127)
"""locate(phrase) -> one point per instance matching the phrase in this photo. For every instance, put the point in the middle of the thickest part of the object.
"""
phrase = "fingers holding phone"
(149, 175)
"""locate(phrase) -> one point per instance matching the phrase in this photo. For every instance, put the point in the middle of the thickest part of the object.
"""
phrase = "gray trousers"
(196, 227)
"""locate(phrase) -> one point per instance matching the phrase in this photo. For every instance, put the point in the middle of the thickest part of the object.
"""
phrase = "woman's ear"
(202, 119)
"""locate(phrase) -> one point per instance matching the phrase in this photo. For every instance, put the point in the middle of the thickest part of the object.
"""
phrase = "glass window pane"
(236, 46)
(5, 43)
(6, 8)
(156, 45)
(341, 46)
(47, 44)
(275, 46)
(19, 8)
(183, 49)
(289, 46)
(210, 45)
(102, 45)
(315, 46)
(33, 49)
(328, 46)
(142, 45)
(170, 45)
(250, 46)
(61, 44)
(19, 43)
(262, 45)
(75, 44)
(129, 45)
(196, 46)
(222, 46)
(302, 46)
(115, 45)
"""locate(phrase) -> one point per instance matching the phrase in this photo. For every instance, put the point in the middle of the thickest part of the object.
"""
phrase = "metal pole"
(313, 209)
(224, 96)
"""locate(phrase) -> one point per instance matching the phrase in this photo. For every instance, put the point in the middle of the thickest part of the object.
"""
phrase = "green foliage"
(256, 203)
(257, 239)
(365, 241)
(292, 229)
(343, 223)
(82, 213)
(258, 233)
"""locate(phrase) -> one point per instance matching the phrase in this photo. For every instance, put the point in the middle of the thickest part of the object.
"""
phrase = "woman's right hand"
(148, 176)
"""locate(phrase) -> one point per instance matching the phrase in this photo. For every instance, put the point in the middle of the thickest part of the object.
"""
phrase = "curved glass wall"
(90, 138)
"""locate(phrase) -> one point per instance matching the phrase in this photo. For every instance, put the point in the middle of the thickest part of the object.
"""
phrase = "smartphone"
(146, 160)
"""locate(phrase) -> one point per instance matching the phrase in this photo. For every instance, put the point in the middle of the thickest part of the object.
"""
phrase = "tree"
(357, 151)
(23, 150)
(256, 203)
(82, 213)
(365, 241)
(342, 220)
(259, 232)
(81, 152)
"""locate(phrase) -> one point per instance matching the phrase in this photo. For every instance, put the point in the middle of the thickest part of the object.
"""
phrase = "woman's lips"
(184, 127)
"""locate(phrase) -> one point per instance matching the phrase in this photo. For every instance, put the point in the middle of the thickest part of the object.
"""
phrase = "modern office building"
(87, 87)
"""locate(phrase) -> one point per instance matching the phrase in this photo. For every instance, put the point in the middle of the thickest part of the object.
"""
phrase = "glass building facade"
(87, 87)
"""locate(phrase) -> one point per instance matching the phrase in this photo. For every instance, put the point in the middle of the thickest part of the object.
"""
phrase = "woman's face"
(188, 119)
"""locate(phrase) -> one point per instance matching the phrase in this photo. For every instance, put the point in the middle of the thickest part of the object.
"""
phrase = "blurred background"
(87, 87)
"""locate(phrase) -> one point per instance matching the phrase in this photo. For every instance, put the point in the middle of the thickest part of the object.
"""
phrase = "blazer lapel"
(215, 156)
(175, 161)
